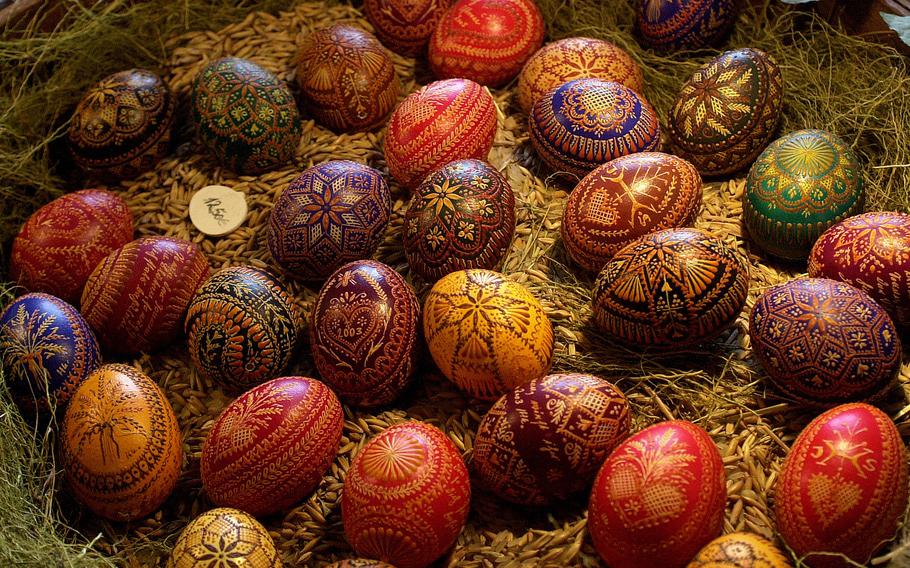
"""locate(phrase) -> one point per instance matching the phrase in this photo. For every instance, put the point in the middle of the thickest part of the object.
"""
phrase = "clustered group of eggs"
(656, 497)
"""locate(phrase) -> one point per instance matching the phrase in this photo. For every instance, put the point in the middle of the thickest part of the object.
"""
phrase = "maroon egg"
(462, 216)
(364, 333)
(136, 298)
(61, 243)
(546, 440)
(870, 252)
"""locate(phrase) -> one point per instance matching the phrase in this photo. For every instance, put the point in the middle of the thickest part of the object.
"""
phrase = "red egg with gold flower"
(364, 333)
(843, 487)
(659, 497)
(121, 444)
(545, 440)
(136, 297)
(286, 431)
(406, 496)
(405, 26)
(444, 121)
(625, 199)
(871, 252)
(63, 241)
(487, 41)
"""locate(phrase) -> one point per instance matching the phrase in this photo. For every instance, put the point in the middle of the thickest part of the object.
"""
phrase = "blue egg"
(684, 24)
(47, 349)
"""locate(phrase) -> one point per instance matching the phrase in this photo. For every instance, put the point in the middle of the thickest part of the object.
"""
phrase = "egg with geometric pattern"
(824, 342)
(245, 115)
(584, 123)
(545, 440)
(224, 537)
(684, 24)
(333, 213)
(740, 550)
(842, 488)
(405, 26)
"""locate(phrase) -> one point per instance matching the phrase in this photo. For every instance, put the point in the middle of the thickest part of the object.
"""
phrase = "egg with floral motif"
(843, 487)
(684, 24)
(740, 550)
(224, 533)
(405, 26)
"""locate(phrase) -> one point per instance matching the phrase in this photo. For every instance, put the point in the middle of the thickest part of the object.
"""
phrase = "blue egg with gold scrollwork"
(668, 25)
(47, 349)
(587, 122)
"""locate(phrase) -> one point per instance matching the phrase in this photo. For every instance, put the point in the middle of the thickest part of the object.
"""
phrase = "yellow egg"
(486, 333)
(740, 549)
(224, 537)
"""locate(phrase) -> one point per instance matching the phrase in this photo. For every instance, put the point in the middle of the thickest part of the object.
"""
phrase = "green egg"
(803, 183)
(245, 115)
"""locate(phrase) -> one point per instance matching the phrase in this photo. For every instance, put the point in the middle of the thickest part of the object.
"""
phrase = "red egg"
(843, 487)
(136, 297)
(870, 252)
(271, 446)
(364, 333)
(406, 496)
(659, 497)
(487, 41)
(61, 243)
(405, 26)
(445, 121)
(546, 440)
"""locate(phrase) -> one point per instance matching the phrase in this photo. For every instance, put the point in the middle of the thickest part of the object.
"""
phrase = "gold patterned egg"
(226, 538)
(740, 550)
(575, 58)
(486, 333)
(121, 444)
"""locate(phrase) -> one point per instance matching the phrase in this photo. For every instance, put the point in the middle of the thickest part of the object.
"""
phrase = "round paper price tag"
(217, 210)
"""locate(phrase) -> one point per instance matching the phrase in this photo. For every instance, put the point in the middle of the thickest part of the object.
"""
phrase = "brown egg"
(740, 550)
(121, 444)
(347, 80)
(224, 533)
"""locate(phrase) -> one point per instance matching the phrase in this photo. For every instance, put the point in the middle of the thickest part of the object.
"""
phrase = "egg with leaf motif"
(224, 533)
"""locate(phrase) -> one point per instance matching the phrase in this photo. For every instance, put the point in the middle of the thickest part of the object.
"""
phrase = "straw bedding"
(720, 386)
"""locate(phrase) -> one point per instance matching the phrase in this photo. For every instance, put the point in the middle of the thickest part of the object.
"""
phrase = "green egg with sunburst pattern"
(245, 115)
(803, 183)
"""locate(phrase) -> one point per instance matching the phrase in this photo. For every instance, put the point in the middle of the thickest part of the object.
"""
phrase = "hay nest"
(720, 386)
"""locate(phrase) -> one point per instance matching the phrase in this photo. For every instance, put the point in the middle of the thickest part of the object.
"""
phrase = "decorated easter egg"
(245, 115)
(221, 534)
(406, 496)
(727, 112)
(332, 214)
(659, 497)
(871, 252)
(286, 431)
(545, 440)
(802, 184)
(740, 550)
(586, 122)
(405, 26)
(47, 349)
(486, 333)
(62, 242)
(439, 123)
(487, 41)
(123, 124)
(684, 24)
(120, 443)
(461, 216)
(136, 297)
(672, 288)
(359, 563)
(824, 342)
(843, 486)
(625, 199)
(576, 58)
(364, 333)
(242, 327)
(347, 80)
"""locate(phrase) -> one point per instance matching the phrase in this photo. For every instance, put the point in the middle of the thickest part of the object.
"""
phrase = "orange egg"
(740, 550)
(228, 534)
(121, 445)
(576, 58)
(486, 333)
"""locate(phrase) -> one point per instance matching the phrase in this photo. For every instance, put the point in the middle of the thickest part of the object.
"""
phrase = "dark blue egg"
(47, 349)
(684, 24)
